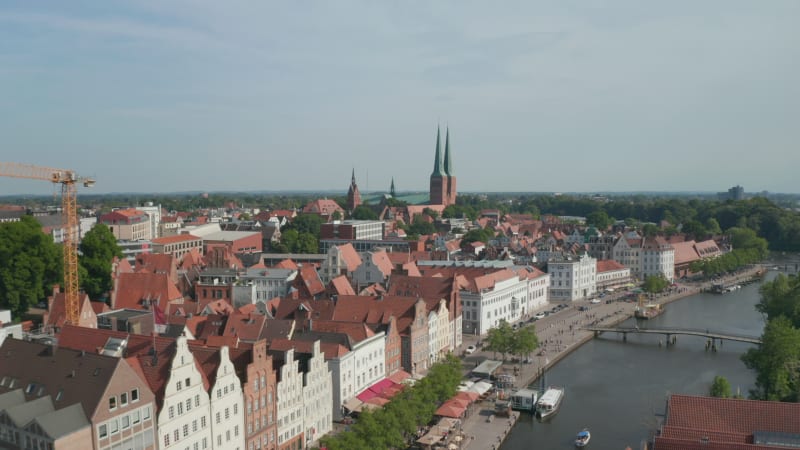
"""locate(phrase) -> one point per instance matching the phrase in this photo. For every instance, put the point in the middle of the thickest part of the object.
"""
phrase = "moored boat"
(582, 439)
(549, 402)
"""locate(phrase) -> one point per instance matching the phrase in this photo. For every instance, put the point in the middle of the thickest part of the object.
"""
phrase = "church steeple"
(448, 161)
(391, 189)
(437, 163)
(353, 196)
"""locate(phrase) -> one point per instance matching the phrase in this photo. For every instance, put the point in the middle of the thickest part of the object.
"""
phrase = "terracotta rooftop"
(350, 256)
(341, 286)
(608, 265)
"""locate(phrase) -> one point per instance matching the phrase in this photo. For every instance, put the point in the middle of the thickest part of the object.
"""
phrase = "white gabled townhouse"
(184, 420)
(290, 400)
(355, 356)
(440, 340)
(227, 406)
(317, 397)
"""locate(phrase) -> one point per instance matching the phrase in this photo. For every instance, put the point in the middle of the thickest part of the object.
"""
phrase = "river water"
(617, 389)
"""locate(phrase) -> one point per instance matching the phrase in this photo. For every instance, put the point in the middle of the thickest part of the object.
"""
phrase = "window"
(219, 440)
(236, 409)
(113, 426)
(112, 403)
(171, 412)
(146, 413)
(180, 408)
(197, 400)
(137, 416)
(126, 422)
(186, 430)
(180, 385)
(188, 382)
(177, 435)
(218, 417)
(188, 404)
(227, 435)
(102, 431)
(194, 426)
(203, 425)
(227, 414)
(123, 399)
(134, 395)
(205, 442)
(166, 440)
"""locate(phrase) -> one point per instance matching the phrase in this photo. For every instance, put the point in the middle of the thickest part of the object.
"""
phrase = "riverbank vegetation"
(396, 424)
(777, 360)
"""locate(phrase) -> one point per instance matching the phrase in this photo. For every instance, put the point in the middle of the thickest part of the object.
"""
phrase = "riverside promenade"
(559, 334)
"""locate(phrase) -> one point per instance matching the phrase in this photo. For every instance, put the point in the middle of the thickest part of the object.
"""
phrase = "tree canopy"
(776, 362)
(395, 425)
(30, 264)
(505, 340)
(655, 284)
(720, 387)
(98, 249)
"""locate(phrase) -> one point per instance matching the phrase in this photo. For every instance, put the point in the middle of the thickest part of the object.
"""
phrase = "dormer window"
(112, 403)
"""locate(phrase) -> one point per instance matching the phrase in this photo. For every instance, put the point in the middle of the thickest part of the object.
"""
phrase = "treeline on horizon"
(699, 217)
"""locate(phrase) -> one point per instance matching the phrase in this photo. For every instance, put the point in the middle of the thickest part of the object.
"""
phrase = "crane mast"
(69, 210)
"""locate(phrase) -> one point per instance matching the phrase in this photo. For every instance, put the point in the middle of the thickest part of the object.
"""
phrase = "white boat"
(582, 439)
(549, 402)
(524, 400)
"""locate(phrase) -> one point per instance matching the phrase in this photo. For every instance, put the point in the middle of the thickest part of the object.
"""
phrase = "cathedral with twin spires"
(443, 181)
(442, 188)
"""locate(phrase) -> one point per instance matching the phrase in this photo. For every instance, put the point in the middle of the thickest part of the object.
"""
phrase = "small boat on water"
(647, 311)
(582, 439)
(549, 402)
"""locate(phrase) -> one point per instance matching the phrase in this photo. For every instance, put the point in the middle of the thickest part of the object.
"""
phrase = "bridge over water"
(669, 332)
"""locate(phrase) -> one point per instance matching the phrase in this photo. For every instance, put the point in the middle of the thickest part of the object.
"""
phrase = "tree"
(524, 341)
(363, 212)
(776, 362)
(655, 283)
(781, 297)
(499, 339)
(307, 223)
(720, 387)
(30, 264)
(336, 215)
(599, 219)
(98, 249)
(649, 230)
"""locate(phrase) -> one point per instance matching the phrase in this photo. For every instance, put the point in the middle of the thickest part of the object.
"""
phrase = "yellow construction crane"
(69, 200)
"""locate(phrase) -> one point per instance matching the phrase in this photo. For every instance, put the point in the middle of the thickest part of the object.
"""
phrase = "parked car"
(540, 315)
(594, 301)
(470, 350)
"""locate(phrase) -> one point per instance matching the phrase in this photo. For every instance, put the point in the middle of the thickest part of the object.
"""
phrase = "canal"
(617, 389)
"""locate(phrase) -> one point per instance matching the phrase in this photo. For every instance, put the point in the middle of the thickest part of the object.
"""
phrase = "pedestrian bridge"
(669, 332)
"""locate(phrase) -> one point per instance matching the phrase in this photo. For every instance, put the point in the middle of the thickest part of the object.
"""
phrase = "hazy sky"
(152, 96)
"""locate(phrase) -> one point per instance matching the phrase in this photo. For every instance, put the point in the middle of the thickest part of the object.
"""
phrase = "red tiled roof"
(323, 206)
(287, 264)
(100, 307)
(247, 327)
(310, 279)
(356, 331)
(381, 260)
(56, 315)
(341, 286)
(732, 415)
(707, 249)
(608, 265)
(350, 256)
(684, 252)
(373, 311)
(133, 288)
(175, 239)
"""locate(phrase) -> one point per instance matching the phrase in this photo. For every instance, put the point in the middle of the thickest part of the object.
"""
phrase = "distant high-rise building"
(734, 193)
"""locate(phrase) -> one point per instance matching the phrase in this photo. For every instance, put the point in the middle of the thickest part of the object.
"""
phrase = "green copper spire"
(448, 162)
(437, 165)
(391, 189)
